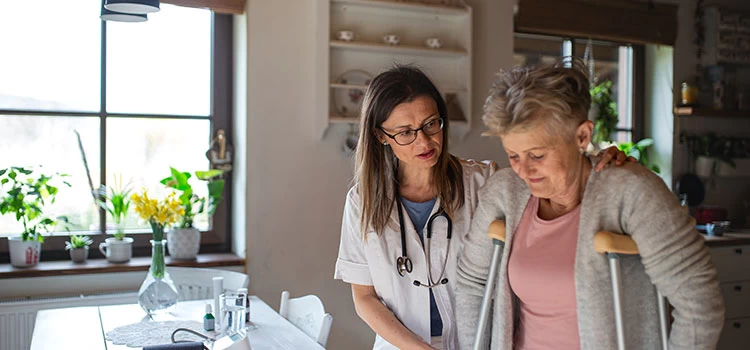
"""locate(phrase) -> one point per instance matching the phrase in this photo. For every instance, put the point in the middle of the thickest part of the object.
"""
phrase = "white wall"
(296, 183)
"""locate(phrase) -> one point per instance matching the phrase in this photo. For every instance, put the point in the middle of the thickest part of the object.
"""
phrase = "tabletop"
(86, 327)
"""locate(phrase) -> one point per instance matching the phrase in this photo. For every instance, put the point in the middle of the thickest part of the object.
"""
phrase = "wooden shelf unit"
(449, 67)
(687, 111)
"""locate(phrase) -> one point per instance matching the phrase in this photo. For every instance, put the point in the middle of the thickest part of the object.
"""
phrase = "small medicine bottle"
(208, 319)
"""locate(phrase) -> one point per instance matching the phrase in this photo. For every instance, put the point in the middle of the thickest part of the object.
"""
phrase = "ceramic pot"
(79, 255)
(117, 251)
(24, 253)
(705, 166)
(184, 243)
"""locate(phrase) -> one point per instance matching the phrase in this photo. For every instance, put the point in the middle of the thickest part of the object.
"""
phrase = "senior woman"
(553, 290)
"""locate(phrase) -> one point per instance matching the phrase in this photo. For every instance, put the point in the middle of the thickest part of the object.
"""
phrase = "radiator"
(17, 315)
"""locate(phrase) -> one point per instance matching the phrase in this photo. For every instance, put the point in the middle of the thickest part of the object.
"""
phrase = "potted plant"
(25, 195)
(79, 248)
(116, 202)
(638, 151)
(184, 240)
(710, 152)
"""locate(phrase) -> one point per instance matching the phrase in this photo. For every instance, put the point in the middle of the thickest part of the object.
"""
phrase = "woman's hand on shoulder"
(612, 156)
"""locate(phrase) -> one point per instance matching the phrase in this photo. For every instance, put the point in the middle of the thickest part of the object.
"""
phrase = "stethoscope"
(403, 262)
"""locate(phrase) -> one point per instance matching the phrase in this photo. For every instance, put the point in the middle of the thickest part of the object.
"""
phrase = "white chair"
(197, 284)
(308, 314)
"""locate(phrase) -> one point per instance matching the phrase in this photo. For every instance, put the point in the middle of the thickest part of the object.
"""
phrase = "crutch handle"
(608, 242)
(497, 230)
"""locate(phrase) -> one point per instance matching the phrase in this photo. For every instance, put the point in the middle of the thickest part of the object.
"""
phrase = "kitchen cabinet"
(731, 256)
(344, 63)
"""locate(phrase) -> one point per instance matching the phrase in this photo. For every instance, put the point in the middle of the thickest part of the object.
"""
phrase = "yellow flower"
(163, 212)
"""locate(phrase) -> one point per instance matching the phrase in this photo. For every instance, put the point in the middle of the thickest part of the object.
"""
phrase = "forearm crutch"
(497, 233)
(614, 245)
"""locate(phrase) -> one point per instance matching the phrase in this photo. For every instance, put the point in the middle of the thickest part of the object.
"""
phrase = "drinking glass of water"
(233, 307)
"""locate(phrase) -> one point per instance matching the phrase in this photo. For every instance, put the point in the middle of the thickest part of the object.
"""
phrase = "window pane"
(161, 66)
(613, 62)
(534, 50)
(50, 55)
(622, 136)
(52, 143)
(142, 150)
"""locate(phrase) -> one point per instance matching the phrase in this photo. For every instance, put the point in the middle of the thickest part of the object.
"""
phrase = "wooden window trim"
(68, 268)
(232, 7)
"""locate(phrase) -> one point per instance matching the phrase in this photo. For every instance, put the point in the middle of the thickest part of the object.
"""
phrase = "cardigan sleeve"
(676, 260)
(474, 264)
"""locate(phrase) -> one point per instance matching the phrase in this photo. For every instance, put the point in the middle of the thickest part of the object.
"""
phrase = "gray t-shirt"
(419, 214)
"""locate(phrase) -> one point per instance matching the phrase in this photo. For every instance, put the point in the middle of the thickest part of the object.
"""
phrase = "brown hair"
(376, 165)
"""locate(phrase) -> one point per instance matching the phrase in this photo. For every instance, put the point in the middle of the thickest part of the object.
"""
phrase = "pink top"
(541, 274)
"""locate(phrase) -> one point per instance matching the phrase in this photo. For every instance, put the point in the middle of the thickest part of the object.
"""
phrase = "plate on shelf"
(347, 102)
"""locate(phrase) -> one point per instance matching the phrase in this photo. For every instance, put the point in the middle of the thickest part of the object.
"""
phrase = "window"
(616, 62)
(142, 96)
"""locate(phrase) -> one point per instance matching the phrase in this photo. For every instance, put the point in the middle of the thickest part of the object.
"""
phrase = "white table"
(85, 327)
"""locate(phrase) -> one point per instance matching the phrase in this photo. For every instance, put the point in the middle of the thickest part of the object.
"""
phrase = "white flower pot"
(79, 255)
(705, 166)
(184, 243)
(24, 253)
(117, 251)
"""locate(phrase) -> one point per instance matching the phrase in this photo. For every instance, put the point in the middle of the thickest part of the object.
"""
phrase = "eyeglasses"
(407, 137)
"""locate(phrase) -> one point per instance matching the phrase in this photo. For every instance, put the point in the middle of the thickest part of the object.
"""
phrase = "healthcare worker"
(406, 215)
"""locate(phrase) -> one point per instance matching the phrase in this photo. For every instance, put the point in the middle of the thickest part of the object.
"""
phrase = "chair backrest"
(308, 314)
(196, 284)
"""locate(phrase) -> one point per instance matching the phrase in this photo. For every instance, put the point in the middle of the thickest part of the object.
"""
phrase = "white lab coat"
(373, 262)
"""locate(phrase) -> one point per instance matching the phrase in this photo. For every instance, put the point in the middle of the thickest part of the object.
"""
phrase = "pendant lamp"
(132, 6)
(107, 15)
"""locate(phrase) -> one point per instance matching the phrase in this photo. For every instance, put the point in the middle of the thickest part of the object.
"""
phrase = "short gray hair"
(523, 95)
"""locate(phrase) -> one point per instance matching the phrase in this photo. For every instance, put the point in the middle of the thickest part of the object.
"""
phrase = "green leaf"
(643, 144)
(208, 175)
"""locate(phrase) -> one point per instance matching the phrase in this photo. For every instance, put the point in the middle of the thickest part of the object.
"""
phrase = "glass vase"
(158, 293)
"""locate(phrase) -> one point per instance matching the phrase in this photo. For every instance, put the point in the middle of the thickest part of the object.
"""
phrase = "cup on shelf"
(391, 39)
(345, 35)
(433, 43)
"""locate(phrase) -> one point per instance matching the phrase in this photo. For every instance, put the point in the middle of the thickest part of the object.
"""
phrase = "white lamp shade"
(132, 6)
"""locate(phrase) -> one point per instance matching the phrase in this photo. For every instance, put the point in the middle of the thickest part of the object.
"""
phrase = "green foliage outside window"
(605, 120)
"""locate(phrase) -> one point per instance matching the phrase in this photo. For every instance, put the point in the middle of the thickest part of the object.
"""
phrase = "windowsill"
(94, 266)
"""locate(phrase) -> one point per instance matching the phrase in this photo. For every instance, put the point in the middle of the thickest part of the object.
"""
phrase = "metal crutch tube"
(614, 245)
(663, 320)
(496, 232)
(614, 270)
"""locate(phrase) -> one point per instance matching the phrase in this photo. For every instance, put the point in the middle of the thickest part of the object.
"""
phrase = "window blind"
(631, 22)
